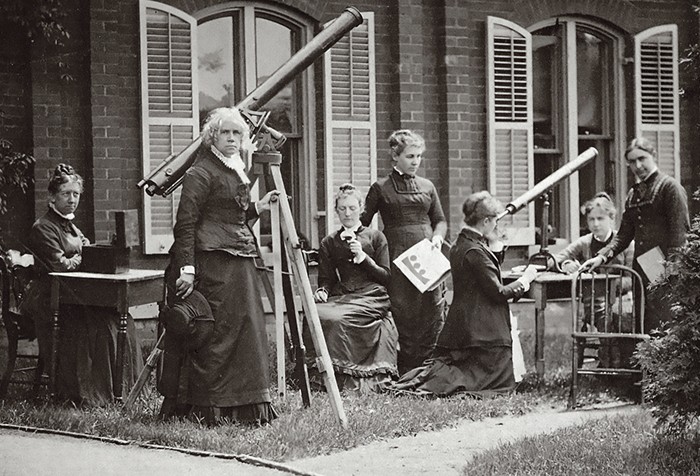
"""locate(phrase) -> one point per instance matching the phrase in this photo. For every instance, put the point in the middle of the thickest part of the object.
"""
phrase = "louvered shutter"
(168, 106)
(656, 93)
(350, 122)
(510, 140)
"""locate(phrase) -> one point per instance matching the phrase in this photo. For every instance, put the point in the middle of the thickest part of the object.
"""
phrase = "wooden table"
(547, 285)
(117, 291)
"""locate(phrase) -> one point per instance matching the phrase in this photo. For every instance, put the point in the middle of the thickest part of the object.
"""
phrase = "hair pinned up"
(64, 173)
(480, 205)
(399, 140)
(641, 143)
(348, 190)
(603, 201)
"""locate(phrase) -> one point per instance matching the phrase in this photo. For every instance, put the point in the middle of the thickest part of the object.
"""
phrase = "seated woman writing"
(474, 350)
(353, 304)
(87, 361)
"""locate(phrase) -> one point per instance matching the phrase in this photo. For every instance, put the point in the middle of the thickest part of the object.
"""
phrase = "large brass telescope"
(549, 182)
(165, 178)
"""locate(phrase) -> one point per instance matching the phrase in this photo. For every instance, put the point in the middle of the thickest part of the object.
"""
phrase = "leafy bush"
(672, 358)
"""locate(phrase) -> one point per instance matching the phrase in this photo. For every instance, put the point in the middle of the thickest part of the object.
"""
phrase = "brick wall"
(61, 111)
(15, 125)
(430, 71)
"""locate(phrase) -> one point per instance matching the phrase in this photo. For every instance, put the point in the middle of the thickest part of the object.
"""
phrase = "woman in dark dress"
(87, 363)
(226, 378)
(656, 214)
(410, 210)
(474, 350)
(353, 304)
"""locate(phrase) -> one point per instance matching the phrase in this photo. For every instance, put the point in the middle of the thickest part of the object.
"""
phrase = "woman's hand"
(529, 274)
(321, 295)
(437, 241)
(357, 251)
(593, 263)
(184, 285)
(571, 266)
(264, 203)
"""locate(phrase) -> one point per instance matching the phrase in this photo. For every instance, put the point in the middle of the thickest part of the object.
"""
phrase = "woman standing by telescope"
(225, 376)
(411, 211)
(656, 215)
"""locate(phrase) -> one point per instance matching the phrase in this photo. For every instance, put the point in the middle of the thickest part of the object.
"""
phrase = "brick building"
(504, 92)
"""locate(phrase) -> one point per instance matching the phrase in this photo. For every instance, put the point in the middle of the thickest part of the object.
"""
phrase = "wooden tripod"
(286, 254)
(287, 250)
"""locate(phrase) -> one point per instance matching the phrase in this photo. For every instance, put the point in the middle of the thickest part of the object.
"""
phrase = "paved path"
(23, 453)
(446, 452)
(443, 452)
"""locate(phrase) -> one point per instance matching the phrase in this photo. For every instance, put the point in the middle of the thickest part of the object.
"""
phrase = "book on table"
(424, 265)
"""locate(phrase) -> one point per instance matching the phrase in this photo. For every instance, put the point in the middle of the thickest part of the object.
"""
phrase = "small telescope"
(165, 178)
(542, 187)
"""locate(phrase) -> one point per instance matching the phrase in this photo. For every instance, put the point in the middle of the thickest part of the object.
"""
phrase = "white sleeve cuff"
(257, 210)
(187, 269)
(525, 283)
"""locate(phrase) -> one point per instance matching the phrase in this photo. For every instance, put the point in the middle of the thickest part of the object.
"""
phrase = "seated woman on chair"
(88, 341)
(353, 304)
(600, 214)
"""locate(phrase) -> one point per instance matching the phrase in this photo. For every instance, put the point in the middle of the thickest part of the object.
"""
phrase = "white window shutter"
(350, 114)
(510, 131)
(169, 106)
(656, 93)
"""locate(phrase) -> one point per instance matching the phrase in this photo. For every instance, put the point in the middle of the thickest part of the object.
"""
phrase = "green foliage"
(15, 172)
(672, 359)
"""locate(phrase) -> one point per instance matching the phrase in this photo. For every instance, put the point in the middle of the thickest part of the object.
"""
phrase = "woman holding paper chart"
(656, 215)
(474, 350)
(410, 210)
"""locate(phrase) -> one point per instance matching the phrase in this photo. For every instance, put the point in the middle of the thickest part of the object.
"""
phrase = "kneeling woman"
(353, 304)
(474, 350)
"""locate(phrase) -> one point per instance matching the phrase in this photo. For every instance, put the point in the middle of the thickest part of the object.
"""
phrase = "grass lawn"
(625, 444)
(307, 432)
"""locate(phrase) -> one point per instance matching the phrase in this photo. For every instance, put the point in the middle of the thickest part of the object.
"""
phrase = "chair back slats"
(607, 309)
(16, 270)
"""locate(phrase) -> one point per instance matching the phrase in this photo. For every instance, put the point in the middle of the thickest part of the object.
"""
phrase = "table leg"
(121, 351)
(539, 342)
(53, 356)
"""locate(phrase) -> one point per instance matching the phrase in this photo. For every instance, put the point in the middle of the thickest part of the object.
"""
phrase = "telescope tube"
(549, 182)
(167, 176)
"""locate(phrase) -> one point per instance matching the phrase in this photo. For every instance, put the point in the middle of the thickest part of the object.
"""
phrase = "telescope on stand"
(543, 190)
(266, 162)
(165, 178)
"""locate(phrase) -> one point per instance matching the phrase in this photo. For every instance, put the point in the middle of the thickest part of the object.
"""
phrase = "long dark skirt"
(87, 353)
(419, 319)
(228, 377)
(475, 370)
(361, 337)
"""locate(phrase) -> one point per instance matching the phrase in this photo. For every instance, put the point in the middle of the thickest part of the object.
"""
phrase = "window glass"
(591, 82)
(544, 61)
(274, 43)
(217, 81)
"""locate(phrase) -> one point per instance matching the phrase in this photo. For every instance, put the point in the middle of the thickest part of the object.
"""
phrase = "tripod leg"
(151, 364)
(277, 289)
(295, 321)
(299, 271)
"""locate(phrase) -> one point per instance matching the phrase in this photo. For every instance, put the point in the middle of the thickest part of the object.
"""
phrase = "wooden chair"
(607, 323)
(16, 270)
